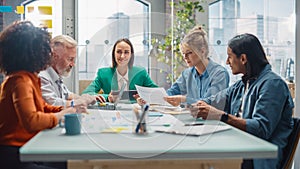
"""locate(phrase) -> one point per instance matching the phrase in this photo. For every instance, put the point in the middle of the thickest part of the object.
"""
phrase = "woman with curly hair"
(24, 52)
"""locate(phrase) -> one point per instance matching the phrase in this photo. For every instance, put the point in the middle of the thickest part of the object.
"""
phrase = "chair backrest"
(290, 149)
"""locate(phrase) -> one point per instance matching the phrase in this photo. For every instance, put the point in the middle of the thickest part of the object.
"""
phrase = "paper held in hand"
(153, 95)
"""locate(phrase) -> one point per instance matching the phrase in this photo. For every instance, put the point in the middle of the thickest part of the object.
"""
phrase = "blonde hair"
(196, 39)
(64, 41)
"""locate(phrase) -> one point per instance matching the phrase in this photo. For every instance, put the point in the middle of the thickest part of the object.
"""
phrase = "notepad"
(194, 130)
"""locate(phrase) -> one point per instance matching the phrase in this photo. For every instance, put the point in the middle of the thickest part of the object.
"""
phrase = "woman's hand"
(100, 98)
(205, 111)
(139, 100)
(112, 97)
(175, 100)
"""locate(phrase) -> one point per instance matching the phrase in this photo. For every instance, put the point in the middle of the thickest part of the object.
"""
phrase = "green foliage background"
(184, 20)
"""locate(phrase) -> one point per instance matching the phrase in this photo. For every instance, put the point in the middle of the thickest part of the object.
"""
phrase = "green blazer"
(107, 80)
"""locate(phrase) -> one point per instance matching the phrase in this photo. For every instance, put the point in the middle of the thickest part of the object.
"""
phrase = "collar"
(208, 68)
(120, 77)
(53, 75)
(265, 70)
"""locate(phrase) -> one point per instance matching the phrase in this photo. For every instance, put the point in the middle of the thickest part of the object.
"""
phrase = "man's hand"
(89, 99)
(205, 111)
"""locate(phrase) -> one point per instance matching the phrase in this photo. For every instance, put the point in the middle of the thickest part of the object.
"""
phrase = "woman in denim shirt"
(203, 78)
(260, 103)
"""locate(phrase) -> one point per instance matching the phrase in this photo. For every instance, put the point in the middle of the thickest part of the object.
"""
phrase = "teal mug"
(73, 123)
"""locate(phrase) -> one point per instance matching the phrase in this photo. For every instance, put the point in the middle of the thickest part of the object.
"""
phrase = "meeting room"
(149, 84)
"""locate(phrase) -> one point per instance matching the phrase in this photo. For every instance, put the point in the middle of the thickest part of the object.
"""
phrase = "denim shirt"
(195, 87)
(267, 110)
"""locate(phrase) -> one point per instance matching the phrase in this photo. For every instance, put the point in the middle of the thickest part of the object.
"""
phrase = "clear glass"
(100, 25)
(272, 21)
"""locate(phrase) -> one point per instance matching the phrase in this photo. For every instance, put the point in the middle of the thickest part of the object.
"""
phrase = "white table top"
(53, 145)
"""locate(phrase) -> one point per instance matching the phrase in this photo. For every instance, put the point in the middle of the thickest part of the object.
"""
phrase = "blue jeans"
(10, 159)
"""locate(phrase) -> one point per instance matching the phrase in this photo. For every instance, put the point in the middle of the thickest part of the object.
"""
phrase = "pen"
(194, 124)
(142, 123)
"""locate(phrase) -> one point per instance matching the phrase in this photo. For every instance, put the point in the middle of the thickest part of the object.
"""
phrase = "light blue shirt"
(267, 109)
(195, 86)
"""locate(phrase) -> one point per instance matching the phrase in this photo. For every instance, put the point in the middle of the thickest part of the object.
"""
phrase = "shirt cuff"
(252, 126)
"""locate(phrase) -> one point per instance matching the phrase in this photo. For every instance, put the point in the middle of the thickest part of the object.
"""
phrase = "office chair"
(289, 150)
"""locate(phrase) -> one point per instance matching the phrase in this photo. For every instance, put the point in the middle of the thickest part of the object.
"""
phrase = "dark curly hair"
(130, 63)
(24, 47)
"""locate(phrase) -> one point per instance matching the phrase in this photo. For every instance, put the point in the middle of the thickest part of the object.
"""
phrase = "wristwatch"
(224, 117)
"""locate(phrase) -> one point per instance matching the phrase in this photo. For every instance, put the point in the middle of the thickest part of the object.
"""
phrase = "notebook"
(196, 130)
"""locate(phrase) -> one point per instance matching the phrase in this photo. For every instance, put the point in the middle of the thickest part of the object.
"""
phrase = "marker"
(142, 123)
(165, 125)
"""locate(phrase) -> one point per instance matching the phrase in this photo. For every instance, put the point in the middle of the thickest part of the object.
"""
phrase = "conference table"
(122, 149)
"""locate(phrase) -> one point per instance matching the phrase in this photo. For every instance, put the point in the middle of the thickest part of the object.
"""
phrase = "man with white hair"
(63, 60)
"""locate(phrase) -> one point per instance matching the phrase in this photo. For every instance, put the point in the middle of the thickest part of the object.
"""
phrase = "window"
(272, 21)
(100, 25)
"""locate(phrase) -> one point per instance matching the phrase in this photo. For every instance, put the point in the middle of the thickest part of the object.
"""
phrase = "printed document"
(153, 95)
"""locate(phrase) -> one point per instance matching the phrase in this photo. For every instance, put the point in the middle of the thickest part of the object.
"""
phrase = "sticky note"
(114, 130)
(20, 9)
(5, 9)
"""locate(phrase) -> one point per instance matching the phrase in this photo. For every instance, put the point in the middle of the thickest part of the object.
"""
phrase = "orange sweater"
(23, 112)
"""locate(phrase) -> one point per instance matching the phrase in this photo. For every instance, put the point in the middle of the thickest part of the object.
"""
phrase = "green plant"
(184, 20)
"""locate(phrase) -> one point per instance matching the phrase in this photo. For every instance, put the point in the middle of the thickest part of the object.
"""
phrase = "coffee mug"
(73, 123)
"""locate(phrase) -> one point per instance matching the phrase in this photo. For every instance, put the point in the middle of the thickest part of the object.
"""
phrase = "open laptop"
(109, 105)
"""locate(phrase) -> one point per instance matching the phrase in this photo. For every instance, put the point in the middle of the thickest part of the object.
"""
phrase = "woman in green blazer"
(111, 78)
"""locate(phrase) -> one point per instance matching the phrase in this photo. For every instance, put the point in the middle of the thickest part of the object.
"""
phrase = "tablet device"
(127, 94)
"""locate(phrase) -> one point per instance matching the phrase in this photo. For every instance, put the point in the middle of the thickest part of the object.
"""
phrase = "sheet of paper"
(107, 121)
(164, 120)
(152, 95)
